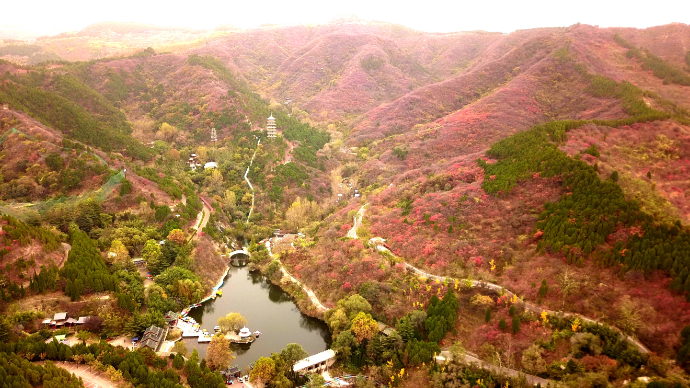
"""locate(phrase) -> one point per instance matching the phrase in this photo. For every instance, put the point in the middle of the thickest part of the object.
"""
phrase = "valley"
(440, 210)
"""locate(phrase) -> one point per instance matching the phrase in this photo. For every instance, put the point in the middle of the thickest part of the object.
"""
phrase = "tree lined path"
(312, 296)
(251, 209)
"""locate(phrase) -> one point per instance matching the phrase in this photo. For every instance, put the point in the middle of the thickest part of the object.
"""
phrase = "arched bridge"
(237, 252)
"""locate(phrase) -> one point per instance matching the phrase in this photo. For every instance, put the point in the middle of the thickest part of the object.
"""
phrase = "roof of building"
(46, 321)
(385, 329)
(71, 320)
(271, 118)
(153, 337)
(211, 165)
(154, 330)
(315, 359)
(82, 320)
(60, 316)
(150, 343)
(233, 370)
(170, 316)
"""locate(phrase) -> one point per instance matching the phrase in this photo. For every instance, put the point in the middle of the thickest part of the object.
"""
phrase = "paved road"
(528, 306)
(251, 209)
(352, 233)
(310, 293)
(491, 286)
(470, 359)
(312, 296)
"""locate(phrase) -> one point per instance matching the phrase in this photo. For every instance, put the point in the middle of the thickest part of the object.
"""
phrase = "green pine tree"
(516, 324)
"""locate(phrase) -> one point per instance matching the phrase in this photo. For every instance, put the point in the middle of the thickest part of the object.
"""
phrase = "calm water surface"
(268, 309)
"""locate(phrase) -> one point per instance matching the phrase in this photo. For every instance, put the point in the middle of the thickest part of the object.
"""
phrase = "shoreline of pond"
(297, 326)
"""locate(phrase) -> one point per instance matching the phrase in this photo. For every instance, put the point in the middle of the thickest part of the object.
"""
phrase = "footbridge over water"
(238, 252)
(239, 258)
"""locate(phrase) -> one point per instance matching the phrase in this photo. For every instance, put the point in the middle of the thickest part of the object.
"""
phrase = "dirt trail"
(201, 219)
(67, 248)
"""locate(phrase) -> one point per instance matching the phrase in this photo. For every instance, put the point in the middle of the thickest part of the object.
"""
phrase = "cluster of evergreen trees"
(46, 279)
(17, 372)
(311, 139)
(85, 270)
(683, 356)
(14, 229)
(414, 341)
(59, 101)
(17, 231)
(13, 291)
(142, 368)
(591, 210)
(441, 316)
(166, 183)
(284, 174)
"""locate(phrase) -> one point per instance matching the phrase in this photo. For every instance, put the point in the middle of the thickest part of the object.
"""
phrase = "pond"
(268, 309)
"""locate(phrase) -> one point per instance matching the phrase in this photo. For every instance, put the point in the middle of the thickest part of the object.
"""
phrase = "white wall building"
(317, 363)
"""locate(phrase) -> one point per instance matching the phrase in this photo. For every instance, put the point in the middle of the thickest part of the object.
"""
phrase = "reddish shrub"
(599, 363)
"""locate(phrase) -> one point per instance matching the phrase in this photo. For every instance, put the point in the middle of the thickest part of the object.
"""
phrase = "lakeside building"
(153, 337)
(317, 363)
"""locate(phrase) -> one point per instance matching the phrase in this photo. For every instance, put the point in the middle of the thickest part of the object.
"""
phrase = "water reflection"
(276, 295)
(266, 309)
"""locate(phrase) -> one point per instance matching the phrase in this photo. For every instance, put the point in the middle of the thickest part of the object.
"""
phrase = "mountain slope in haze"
(106, 39)
(343, 69)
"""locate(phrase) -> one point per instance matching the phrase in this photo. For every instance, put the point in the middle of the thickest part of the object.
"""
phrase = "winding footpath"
(357, 221)
(469, 358)
(445, 355)
(251, 209)
(319, 306)
(528, 306)
(495, 287)
(312, 296)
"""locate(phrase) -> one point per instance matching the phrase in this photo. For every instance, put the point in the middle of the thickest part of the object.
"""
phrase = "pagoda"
(271, 127)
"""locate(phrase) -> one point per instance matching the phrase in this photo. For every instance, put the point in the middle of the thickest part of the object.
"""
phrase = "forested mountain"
(552, 163)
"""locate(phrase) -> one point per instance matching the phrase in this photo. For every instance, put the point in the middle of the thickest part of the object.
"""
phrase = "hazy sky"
(425, 15)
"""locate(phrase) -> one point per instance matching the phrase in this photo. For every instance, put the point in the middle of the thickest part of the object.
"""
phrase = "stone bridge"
(237, 252)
